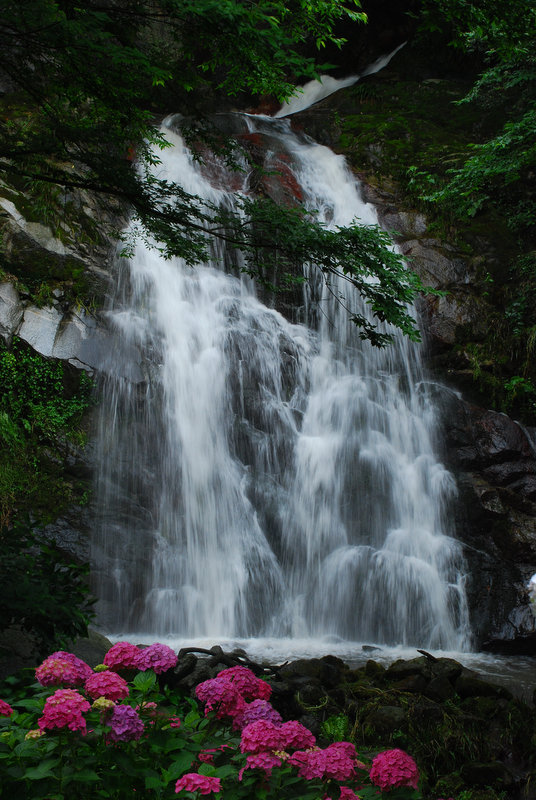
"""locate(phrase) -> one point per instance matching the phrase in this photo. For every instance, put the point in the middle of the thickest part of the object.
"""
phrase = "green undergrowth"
(42, 402)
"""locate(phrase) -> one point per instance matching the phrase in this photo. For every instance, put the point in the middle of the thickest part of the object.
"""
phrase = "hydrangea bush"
(94, 734)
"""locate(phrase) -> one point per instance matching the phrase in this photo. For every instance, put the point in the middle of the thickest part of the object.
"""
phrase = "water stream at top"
(265, 478)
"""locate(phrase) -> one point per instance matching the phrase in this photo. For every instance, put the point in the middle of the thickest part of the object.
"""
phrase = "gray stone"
(11, 311)
(39, 328)
(387, 719)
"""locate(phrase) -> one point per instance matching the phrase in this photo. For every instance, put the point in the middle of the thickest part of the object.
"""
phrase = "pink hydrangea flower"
(193, 782)
(107, 684)
(63, 669)
(264, 761)
(295, 736)
(5, 709)
(258, 709)
(158, 657)
(311, 763)
(394, 768)
(221, 696)
(122, 655)
(261, 736)
(64, 709)
(340, 761)
(174, 722)
(125, 724)
(247, 683)
(347, 794)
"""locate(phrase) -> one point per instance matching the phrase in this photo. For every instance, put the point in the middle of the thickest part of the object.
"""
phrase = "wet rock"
(400, 669)
(92, 648)
(11, 311)
(493, 774)
(373, 669)
(386, 720)
(440, 689)
(470, 686)
(325, 671)
(185, 666)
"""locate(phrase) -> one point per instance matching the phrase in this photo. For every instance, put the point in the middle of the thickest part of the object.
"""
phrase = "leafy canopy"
(84, 83)
(499, 173)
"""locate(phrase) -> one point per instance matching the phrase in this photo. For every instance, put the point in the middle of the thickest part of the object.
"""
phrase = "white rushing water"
(270, 479)
(316, 90)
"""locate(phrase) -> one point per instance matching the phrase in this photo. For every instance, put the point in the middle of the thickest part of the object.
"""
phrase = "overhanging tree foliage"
(500, 172)
(85, 81)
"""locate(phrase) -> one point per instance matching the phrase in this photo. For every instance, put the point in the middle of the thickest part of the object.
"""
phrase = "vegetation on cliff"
(449, 129)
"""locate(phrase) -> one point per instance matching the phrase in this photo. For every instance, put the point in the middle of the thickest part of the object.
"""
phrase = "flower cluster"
(296, 736)
(221, 696)
(258, 709)
(247, 683)
(337, 762)
(122, 655)
(5, 709)
(35, 733)
(158, 657)
(261, 736)
(264, 761)
(347, 794)
(193, 782)
(102, 704)
(64, 709)
(106, 684)
(62, 669)
(394, 768)
(125, 723)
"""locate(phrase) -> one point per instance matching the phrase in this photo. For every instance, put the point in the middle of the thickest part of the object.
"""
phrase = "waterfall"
(266, 477)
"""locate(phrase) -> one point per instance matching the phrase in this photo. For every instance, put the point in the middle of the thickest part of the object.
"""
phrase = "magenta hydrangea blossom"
(311, 763)
(122, 655)
(221, 696)
(394, 768)
(261, 736)
(247, 683)
(340, 761)
(107, 684)
(158, 657)
(264, 761)
(125, 723)
(348, 794)
(295, 736)
(64, 709)
(5, 709)
(193, 782)
(63, 669)
(258, 709)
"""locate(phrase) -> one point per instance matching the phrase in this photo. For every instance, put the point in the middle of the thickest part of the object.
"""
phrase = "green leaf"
(145, 681)
(86, 776)
(207, 769)
(180, 765)
(154, 782)
(43, 770)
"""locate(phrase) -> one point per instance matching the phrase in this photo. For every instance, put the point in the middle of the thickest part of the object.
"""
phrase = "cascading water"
(267, 478)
